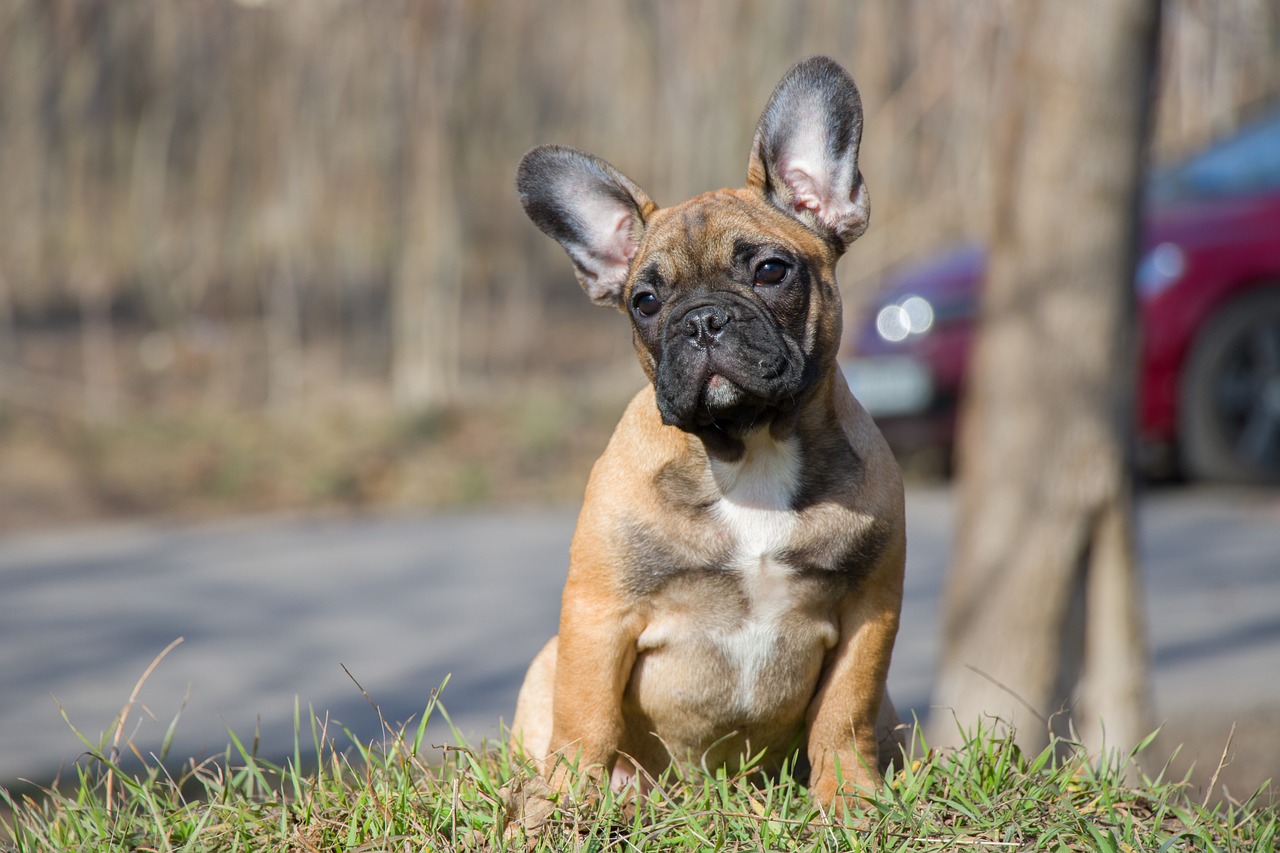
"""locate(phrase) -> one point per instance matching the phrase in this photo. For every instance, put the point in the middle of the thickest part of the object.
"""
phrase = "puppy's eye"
(772, 272)
(645, 304)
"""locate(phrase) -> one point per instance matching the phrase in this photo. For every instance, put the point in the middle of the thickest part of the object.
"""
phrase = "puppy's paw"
(843, 798)
(577, 782)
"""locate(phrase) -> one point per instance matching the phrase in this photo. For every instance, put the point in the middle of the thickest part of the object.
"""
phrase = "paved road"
(273, 609)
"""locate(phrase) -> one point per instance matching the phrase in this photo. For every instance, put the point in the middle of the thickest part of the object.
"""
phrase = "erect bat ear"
(594, 211)
(805, 153)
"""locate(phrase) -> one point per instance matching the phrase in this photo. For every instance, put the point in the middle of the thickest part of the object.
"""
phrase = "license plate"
(890, 386)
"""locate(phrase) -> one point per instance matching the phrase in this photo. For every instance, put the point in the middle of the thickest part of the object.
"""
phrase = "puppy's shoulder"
(880, 469)
(647, 462)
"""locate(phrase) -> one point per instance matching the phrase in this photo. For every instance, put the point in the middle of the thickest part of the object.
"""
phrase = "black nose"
(703, 325)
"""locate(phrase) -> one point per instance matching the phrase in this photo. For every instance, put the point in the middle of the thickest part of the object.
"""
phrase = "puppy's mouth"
(720, 392)
(725, 406)
(723, 400)
(733, 381)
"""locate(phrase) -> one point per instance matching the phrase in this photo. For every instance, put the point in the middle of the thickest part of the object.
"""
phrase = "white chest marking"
(755, 506)
(756, 495)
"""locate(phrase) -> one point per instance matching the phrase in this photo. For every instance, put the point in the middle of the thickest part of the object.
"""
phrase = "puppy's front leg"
(597, 651)
(843, 739)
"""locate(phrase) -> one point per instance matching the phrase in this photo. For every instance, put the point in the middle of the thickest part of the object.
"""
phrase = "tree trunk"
(427, 276)
(1043, 612)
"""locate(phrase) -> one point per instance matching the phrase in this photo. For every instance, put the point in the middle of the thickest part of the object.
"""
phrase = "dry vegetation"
(244, 246)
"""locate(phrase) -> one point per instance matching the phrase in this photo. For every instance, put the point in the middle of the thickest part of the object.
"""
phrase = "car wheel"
(1229, 423)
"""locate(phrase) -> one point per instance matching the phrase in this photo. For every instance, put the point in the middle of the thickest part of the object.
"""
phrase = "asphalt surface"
(272, 610)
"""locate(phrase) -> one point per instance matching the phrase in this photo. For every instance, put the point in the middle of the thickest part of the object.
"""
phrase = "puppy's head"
(732, 294)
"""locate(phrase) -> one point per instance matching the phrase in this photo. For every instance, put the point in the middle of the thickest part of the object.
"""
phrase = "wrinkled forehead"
(712, 228)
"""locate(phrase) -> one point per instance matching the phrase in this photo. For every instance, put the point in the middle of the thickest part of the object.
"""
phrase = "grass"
(402, 794)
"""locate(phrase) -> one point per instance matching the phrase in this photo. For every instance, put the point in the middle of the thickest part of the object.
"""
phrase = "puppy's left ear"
(805, 153)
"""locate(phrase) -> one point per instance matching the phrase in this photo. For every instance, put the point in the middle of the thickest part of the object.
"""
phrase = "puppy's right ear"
(597, 213)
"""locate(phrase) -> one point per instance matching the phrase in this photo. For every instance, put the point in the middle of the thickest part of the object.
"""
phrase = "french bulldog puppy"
(735, 579)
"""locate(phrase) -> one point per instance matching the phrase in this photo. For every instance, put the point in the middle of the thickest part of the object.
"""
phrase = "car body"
(1208, 288)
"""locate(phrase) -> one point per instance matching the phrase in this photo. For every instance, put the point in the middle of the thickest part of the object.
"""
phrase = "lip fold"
(724, 387)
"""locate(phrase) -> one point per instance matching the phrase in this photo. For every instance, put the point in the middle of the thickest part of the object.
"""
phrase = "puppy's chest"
(740, 560)
(758, 538)
(754, 512)
(747, 615)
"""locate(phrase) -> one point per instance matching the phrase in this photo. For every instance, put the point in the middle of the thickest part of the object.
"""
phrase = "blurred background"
(267, 256)
(263, 255)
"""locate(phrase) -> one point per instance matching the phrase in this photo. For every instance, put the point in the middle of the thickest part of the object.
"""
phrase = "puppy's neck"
(766, 475)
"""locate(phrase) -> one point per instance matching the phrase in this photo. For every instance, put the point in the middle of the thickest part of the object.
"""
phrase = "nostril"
(704, 325)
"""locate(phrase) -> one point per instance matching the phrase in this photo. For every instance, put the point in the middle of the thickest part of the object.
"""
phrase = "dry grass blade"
(124, 716)
(1222, 762)
(1007, 689)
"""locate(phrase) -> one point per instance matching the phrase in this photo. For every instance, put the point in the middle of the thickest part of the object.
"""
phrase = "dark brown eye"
(772, 272)
(645, 304)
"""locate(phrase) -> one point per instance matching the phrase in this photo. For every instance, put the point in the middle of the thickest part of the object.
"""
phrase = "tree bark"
(427, 276)
(1043, 620)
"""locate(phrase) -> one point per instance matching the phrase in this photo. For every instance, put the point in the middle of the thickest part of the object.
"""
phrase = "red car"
(1209, 294)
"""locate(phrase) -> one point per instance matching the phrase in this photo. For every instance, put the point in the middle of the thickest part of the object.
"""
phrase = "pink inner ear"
(819, 192)
(618, 244)
(804, 189)
(605, 260)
